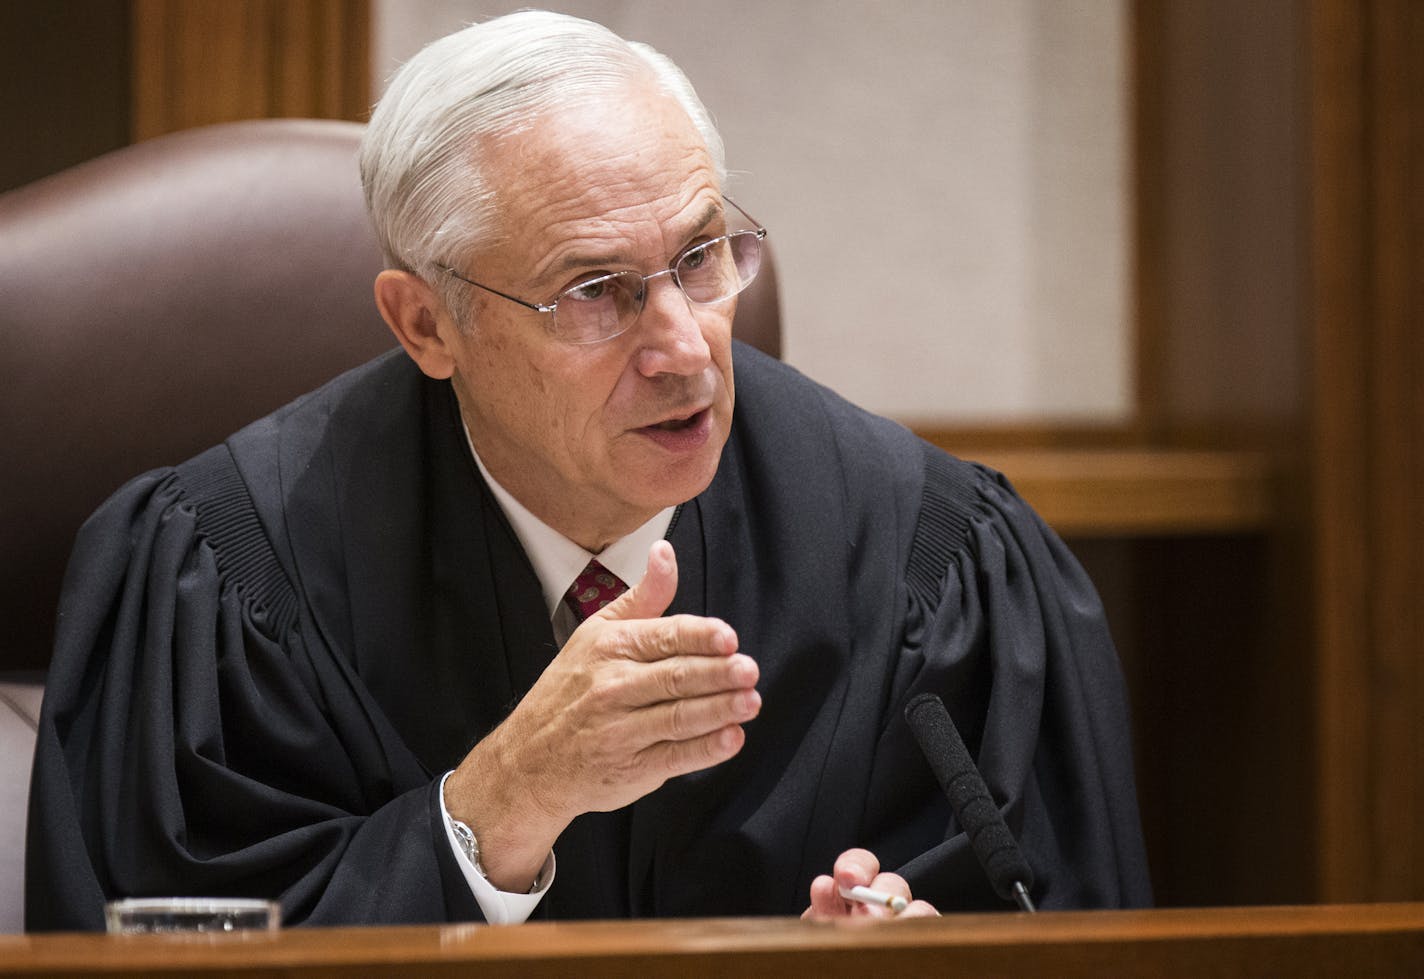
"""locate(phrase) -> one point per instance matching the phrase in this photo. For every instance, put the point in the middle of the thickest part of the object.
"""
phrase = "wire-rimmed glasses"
(607, 306)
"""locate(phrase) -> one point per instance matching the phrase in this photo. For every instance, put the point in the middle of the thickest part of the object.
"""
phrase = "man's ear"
(413, 311)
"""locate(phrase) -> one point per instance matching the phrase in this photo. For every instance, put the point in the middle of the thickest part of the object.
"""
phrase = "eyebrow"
(576, 260)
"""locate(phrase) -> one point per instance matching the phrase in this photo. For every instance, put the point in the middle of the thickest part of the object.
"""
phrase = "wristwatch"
(471, 848)
(469, 844)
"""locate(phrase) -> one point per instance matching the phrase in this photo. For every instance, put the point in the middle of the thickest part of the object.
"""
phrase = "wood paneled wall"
(197, 62)
(1281, 256)
(1211, 627)
(79, 78)
(64, 68)
(1367, 266)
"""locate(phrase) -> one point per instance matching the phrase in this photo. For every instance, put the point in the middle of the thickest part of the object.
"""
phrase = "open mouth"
(684, 434)
(679, 424)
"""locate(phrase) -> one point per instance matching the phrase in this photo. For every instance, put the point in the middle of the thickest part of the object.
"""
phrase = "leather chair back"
(157, 299)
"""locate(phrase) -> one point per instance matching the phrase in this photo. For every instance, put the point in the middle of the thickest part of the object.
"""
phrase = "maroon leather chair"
(155, 300)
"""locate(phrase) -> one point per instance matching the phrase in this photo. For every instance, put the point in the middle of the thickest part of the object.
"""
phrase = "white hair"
(420, 166)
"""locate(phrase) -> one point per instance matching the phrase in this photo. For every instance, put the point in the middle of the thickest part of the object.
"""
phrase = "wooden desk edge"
(1066, 943)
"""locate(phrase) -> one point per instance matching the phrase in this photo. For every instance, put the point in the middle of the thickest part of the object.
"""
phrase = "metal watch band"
(471, 846)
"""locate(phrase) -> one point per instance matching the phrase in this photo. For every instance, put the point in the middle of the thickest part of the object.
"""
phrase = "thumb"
(650, 597)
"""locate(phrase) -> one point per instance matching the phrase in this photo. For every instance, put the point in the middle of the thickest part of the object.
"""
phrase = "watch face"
(469, 844)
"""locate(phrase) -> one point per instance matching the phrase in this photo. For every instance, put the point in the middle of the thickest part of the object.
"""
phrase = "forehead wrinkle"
(576, 202)
(673, 243)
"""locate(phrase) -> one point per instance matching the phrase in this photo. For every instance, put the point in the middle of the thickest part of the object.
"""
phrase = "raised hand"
(632, 700)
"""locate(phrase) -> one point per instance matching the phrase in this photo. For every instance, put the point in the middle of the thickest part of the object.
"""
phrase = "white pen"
(868, 895)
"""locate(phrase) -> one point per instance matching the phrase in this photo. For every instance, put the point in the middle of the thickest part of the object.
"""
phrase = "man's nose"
(671, 338)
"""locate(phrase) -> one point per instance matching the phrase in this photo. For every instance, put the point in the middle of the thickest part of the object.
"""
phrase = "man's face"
(595, 439)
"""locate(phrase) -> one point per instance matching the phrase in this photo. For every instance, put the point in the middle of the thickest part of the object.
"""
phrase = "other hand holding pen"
(856, 887)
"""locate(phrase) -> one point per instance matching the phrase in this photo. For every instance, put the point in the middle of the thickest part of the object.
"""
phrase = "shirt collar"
(557, 560)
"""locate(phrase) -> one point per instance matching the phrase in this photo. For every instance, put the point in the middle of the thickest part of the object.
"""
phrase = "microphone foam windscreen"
(969, 797)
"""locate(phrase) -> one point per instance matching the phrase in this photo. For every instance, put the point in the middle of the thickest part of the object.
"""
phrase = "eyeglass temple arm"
(537, 307)
(760, 228)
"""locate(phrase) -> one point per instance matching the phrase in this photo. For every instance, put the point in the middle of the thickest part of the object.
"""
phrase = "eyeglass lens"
(708, 273)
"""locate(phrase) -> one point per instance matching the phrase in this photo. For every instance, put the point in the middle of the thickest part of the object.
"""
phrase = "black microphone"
(993, 844)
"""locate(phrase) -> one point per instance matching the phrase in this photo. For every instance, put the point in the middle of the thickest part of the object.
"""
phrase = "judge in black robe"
(267, 657)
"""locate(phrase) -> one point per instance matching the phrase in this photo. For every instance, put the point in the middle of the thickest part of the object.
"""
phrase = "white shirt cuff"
(499, 907)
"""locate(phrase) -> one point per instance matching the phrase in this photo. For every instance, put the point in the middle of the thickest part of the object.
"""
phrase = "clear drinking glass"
(217, 915)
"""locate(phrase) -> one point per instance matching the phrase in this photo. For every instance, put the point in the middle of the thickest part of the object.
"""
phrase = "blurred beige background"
(947, 178)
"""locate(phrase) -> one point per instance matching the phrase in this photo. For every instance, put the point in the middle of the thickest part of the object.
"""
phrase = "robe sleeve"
(195, 741)
(1005, 626)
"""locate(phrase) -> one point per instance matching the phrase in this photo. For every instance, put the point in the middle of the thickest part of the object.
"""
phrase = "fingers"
(649, 693)
(825, 901)
(894, 885)
(673, 758)
(853, 868)
(633, 625)
(682, 720)
(658, 638)
(686, 735)
(684, 677)
(632, 699)
(650, 597)
(861, 868)
(856, 868)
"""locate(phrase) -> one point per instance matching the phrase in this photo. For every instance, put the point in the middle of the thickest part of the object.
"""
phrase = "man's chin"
(677, 481)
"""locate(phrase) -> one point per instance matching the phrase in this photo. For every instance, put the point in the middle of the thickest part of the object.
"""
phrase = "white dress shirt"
(557, 562)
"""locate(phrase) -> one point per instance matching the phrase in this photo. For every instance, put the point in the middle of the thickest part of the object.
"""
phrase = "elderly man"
(374, 656)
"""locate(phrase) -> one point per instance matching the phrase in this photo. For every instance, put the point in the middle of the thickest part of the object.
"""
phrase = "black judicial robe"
(267, 656)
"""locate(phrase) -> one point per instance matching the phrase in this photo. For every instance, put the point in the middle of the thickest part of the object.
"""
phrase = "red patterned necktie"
(593, 589)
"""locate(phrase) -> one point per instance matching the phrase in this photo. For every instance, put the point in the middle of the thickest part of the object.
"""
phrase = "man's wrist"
(489, 793)
(470, 846)
(499, 907)
(499, 837)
